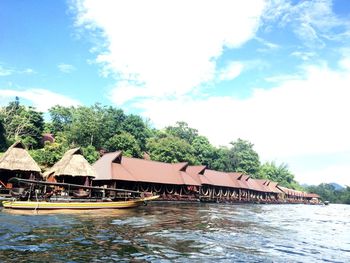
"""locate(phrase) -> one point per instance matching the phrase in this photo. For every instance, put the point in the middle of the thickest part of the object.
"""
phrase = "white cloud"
(305, 56)
(160, 52)
(167, 47)
(125, 91)
(66, 68)
(267, 44)
(299, 117)
(312, 21)
(231, 71)
(41, 99)
(28, 71)
(5, 71)
(282, 78)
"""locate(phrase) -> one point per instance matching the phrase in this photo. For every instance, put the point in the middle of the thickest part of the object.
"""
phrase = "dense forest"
(101, 128)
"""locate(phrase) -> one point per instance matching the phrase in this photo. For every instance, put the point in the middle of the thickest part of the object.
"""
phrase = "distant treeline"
(105, 128)
(329, 192)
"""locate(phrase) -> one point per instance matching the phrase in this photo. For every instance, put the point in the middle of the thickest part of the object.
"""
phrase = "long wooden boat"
(36, 197)
(98, 204)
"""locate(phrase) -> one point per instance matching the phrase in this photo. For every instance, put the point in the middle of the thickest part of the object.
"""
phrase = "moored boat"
(39, 195)
(98, 204)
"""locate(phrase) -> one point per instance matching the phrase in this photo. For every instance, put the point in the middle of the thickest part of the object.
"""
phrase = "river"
(168, 232)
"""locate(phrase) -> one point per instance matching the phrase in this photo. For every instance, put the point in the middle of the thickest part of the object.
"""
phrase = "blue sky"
(273, 72)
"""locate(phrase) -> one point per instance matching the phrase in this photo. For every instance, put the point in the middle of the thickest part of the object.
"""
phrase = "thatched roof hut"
(72, 164)
(16, 158)
(16, 162)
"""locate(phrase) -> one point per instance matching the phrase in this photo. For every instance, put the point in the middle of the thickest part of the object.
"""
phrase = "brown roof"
(114, 166)
(16, 158)
(268, 186)
(220, 179)
(188, 179)
(236, 178)
(243, 181)
(273, 187)
(108, 168)
(291, 191)
(197, 173)
(312, 195)
(72, 163)
(258, 185)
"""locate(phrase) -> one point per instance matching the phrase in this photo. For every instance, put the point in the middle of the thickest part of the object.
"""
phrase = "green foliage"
(51, 152)
(22, 123)
(244, 158)
(280, 174)
(85, 127)
(203, 151)
(135, 126)
(3, 141)
(329, 193)
(124, 142)
(171, 149)
(222, 160)
(182, 131)
(90, 153)
(61, 118)
(97, 124)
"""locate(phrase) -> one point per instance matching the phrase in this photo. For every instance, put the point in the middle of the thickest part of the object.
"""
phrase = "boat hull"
(32, 205)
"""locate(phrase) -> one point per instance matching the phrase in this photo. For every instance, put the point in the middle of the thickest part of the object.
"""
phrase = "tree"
(135, 126)
(171, 149)
(90, 153)
(61, 118)
(112, 120)
(22, 123)
(244, 158)
(51, 152)
(86, 126)
(3, 143)
(203, 151)
(330, 193)
(124, 142)
(222, 160)
(182, 131)
(280, 174)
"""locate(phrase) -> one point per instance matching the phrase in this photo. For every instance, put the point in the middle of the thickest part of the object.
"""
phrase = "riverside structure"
(67, 185)
(183, 182)
(170, 181)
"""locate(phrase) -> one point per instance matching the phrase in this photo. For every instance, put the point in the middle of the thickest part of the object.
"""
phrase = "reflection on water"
(164, 232)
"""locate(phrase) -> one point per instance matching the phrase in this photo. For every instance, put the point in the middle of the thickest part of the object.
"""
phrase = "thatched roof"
(16, 158)
(72, 163)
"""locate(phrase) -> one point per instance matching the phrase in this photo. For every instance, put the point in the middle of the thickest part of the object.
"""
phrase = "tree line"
(330, 193)
(100, 128)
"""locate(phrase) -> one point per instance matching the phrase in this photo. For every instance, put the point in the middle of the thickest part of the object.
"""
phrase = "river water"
(168, 232)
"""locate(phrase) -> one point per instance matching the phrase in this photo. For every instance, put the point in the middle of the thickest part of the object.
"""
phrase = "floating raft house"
(180, 181)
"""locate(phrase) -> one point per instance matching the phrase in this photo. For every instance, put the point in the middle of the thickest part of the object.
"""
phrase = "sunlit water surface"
(168, 232)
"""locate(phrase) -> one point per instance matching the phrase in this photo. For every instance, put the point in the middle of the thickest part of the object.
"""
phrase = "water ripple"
(180, 233)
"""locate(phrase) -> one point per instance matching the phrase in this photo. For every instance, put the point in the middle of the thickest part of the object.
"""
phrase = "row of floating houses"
(172, 181)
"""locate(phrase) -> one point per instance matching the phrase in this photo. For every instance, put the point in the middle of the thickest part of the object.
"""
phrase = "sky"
(275, 73)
